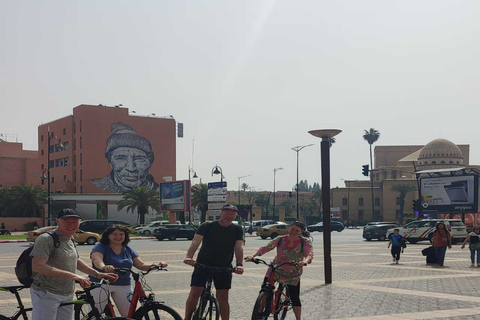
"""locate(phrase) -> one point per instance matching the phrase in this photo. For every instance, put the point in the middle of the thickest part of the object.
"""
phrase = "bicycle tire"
(283, 304)
(4, 317)
(207, 309)
(156, 310)
(261, 310)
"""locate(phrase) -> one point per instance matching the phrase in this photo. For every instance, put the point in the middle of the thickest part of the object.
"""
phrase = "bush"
(28, 226)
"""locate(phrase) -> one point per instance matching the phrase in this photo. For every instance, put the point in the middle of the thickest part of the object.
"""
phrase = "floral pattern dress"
(286, 252)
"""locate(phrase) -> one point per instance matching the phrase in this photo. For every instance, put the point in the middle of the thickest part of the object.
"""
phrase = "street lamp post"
(297, 150)
(274, 174)
(218, 170)
(248, 175)
(190, 187)
(325, 135)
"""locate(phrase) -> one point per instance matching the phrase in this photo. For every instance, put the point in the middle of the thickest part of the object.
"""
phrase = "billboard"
(450, 194)
(174, 196)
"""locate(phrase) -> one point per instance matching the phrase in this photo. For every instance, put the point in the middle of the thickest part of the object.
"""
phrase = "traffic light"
(416, 205)
(365, 170)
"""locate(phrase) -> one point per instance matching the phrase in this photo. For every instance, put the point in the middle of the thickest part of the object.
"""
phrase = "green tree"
(263, 200)
(403, 190)
(371, 136)
(288, 204)
(140, 199)
(200, 199)
(24, 201)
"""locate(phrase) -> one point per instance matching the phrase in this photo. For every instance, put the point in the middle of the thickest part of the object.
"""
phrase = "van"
(257, 225)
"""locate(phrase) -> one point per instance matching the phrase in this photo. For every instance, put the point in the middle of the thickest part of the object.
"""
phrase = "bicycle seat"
(12, 289)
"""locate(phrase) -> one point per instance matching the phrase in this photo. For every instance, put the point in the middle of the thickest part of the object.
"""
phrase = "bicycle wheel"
(207, 309)
(283, 304)
(158, 311)
(4, 318)
(261, 310)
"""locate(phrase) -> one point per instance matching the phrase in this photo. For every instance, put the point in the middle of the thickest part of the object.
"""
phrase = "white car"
(148, 229)
(422, 230)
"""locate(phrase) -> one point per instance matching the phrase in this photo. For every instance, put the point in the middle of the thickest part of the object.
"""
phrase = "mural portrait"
(130, 157)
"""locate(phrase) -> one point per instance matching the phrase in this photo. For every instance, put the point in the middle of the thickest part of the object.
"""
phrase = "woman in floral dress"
(290, 248)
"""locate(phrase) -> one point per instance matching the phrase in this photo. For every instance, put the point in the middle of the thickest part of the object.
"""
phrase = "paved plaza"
(366, 285)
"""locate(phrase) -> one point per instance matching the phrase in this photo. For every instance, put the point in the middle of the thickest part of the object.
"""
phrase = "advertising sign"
(452, 194)
(172, 195)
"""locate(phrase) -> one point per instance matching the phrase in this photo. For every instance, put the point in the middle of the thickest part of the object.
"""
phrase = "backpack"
(302, 243)
(23, 269)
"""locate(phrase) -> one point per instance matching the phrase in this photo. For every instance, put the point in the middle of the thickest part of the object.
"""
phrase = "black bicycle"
(207, 308)
(83, 297)
(274, 297)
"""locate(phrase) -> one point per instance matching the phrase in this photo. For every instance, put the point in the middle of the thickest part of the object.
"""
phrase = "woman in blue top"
(113, 252)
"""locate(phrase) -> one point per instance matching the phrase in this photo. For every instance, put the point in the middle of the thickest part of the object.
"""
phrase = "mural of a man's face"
(130, 166)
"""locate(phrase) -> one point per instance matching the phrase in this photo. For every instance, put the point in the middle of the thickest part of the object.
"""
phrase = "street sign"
(215, 185)
(217, 191)
(214, 212)
(217, 198)
(216, 205)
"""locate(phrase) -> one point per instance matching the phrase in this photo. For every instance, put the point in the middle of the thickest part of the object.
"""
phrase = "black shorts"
(221, 279)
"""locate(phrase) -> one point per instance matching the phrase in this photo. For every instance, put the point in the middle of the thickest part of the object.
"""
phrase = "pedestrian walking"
(441, 240)
(395, 240)
(474, 239)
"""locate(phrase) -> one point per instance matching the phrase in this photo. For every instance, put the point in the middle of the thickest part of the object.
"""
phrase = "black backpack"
(23, 269)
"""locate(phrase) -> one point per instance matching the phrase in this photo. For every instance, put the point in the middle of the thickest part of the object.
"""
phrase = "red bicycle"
(149, 308)
(274, 297)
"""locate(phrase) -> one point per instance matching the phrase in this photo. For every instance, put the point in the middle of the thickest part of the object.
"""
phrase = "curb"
(8, 241)
(141, 238)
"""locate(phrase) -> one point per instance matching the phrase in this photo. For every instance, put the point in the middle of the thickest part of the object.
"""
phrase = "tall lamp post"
(190, 202)
(274, 174)
(325, 135)
(248, 175)
(218, 170)
(297, 150)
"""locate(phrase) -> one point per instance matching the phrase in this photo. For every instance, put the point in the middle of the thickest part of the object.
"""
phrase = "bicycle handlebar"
(271, 265)
(219, 269)
(152, 267)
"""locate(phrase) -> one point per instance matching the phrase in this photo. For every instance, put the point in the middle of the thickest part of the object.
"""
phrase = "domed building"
(395, 166)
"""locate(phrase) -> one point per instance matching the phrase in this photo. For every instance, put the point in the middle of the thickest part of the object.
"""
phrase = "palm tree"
(331, 141)
(26, 201)
(403, 189)
(371, 136)
(140, 199)
(200, 199)
(263, 200)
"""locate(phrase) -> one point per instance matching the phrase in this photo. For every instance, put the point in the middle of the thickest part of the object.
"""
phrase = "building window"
(361, 201)
(75, 176)
(64, 178)
(41, 138)
(377, 201)
(81, 159)
(74, 127)
(81, 189)
(74, 160)
(80, 126)
(59, 163)
(51, 164)
(360, 214)
(345, 215)
(434, 162)
(80, 142)
(51, 149)
(442, 162)
(43, 182)
(41, 152)
(53, 179)
(64, 131)
(66, 161)
(344, 201)
(74, 144)
(81, 175)
(66, 145)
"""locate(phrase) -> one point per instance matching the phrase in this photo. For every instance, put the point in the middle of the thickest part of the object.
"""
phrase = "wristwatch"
(239, 264)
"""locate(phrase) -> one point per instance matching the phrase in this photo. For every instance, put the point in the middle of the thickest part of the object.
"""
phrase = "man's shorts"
(222, 280)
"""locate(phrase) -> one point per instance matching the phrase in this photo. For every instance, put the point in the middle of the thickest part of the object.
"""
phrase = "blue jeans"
(440, 253)
(472, 255)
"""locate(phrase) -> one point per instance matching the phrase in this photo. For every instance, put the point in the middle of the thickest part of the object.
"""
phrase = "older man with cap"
(54, 266)
(220, 240)
(130, 156)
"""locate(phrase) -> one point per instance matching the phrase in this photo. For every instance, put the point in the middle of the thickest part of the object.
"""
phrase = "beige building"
(394, 165)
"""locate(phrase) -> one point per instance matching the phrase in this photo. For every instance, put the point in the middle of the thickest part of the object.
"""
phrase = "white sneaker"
(396, 261)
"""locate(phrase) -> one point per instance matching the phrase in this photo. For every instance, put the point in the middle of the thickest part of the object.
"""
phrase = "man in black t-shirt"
(220, 240)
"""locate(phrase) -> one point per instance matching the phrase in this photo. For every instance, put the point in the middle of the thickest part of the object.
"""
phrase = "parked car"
(174, 231)
(258, 224)
(422, 230)
(377, 231)
(81, 237)
(273, 231)
(150, 228)
(334, 226)
(381, 222)
(98, 226)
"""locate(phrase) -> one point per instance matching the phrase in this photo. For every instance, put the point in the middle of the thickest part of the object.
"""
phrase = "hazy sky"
(249, 79)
